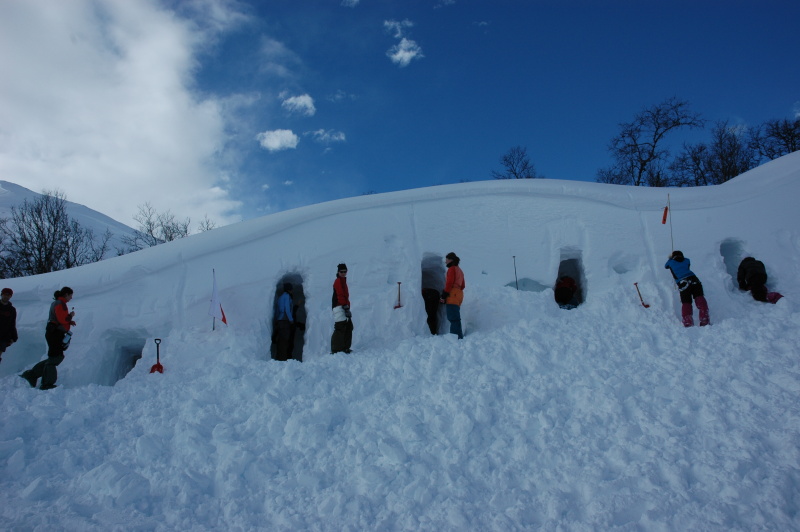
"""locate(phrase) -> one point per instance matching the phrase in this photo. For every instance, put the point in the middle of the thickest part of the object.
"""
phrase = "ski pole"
(398, 305)
(516, 282)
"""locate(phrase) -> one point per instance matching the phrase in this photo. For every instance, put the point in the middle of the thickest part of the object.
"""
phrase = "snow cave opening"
(433, 276)
(126, 347)
(570, 286)
(291, 339)
(732, 252)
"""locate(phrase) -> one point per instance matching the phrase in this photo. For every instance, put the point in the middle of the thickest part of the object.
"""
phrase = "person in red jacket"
(342, 337)
(57, 335)
(453, 294)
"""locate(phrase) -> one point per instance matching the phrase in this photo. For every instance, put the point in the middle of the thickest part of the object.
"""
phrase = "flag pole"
(669, 208)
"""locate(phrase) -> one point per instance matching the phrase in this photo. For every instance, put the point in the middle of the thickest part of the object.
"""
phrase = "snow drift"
(609, 416)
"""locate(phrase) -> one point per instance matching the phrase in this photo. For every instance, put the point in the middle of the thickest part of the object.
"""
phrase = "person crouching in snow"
(690, 287)
(342, 337)
(752, 276)
(453, 294)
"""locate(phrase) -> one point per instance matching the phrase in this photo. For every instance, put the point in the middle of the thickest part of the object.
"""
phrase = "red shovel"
(157, 366)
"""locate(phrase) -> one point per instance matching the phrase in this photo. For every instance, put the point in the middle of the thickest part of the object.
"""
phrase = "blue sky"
(240, 109)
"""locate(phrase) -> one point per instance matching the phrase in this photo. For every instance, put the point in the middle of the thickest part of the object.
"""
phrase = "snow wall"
(391, 238)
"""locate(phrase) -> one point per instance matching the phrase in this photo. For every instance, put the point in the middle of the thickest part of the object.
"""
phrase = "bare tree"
(640, 156)
(690, 168)
(728, 155)
(516, 165)
(206, 224)
(776, 138)
(39, 237)
(154, 228)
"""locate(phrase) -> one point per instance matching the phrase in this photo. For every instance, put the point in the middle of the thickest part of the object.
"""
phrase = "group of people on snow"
(290, 315)
(751, 276)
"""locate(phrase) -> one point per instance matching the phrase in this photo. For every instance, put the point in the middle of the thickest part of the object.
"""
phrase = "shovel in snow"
(157, 366)
(645, 305)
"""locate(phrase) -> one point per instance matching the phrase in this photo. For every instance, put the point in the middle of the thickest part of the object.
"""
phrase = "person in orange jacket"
(453, 294)
(57, 335)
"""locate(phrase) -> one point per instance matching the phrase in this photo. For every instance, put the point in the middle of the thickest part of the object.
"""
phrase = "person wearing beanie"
(284, 321)
(690, 287)
(342, 337)
(752, 277)
(57, 334)
(453, 294)
(8, 321)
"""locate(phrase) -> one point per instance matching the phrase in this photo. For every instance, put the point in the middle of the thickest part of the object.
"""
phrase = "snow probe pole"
(398, 305)
(157, 366)
(645, 305)
(664, 220)
(516, 283)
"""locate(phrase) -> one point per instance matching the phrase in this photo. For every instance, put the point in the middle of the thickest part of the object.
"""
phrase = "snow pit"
(433, 276)
(298, 302)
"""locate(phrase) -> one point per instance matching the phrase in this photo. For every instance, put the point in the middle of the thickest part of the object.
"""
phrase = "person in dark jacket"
(299, 329)
(431, 298)
(57, 334)
(8, 321)
(690, 287)
(342, 337)
(284, 323)
(752, 276)
(565, 292)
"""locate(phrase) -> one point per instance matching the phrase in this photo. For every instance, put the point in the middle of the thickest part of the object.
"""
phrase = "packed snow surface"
(611, 416)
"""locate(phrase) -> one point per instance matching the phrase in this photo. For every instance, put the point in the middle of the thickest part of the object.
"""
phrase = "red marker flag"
(664, 218)
(215, 310)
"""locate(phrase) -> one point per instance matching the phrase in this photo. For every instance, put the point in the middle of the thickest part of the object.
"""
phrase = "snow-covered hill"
(609, 416)
(13, 195)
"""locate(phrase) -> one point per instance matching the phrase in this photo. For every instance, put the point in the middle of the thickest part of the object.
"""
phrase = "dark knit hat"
(677, 255)
(342, 267)
(7, 291)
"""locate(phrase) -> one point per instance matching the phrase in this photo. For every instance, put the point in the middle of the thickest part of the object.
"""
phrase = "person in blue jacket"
(284, 322)
(690, 287)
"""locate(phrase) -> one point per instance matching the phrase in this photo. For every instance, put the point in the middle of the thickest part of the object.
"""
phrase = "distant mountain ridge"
(13, 195)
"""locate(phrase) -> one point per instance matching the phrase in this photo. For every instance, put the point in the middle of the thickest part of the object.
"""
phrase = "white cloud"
(288, 183)
(397, 27)
(404, 52)
(277, 59)
(350, 3)
(341, 95)
(327, 136)
(278, 140)
(96, 101)
(303, 105)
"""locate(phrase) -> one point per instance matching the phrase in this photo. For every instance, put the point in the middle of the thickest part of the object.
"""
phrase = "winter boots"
(702, 306)
(30, 378)
(687, 310)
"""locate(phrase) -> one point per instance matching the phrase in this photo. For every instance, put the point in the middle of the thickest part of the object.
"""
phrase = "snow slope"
(609, 416)
(13, 195)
